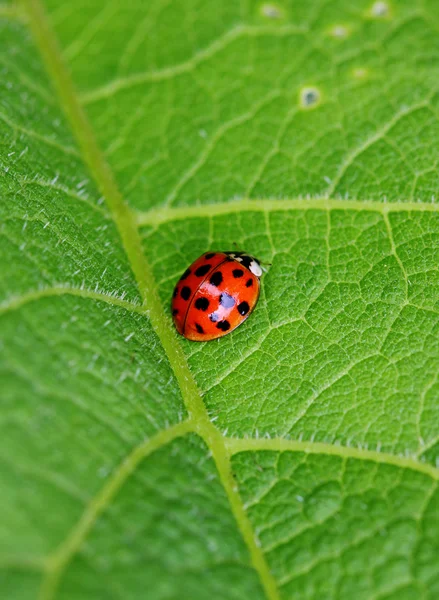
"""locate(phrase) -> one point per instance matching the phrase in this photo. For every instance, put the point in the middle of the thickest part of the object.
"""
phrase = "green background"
(298, 456)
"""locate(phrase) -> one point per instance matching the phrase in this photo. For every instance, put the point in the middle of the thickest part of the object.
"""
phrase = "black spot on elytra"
(202, 303)
(199, 328)
(209, 256)
(214, 317)
(237, 273)
(185, 293)
(175, 312)
(226, 300)
(201, 271)
(243, 308)
(185, 274)
(216, 278)
(223, 325)
(249, 282)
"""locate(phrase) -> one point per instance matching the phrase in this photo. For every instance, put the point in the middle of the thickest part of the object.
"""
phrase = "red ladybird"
(215, 295)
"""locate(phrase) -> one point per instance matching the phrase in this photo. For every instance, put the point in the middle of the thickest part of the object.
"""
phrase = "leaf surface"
(296, 457)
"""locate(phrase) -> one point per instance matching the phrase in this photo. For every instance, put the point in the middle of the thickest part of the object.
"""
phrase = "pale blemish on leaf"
(380, 10)
(360, 73)
(309, 97)
(272, 11)
(339, 31)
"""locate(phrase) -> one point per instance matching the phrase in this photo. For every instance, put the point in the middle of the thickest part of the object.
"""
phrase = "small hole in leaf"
(309, 97)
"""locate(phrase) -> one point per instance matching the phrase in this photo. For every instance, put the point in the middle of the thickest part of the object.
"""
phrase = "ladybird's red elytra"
(215, 295)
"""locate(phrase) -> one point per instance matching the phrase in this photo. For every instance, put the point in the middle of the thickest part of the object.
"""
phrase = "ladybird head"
(248, 261)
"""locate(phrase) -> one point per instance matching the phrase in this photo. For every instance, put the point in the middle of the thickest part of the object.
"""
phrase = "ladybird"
(215, 295)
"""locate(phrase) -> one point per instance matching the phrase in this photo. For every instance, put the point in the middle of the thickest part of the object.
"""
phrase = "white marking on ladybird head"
(255, 268)
(249, 261)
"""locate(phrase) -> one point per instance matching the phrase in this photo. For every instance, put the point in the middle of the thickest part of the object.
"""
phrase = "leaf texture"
(298, 456)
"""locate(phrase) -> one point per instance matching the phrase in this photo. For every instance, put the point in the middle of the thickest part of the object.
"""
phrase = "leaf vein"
(125, 222)
(236, 445)
(185, 67)
(16, 302)
(159, 216)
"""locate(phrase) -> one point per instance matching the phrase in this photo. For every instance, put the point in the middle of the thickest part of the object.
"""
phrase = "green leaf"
(298, 456)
